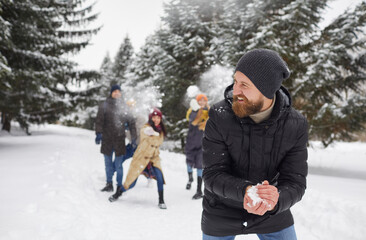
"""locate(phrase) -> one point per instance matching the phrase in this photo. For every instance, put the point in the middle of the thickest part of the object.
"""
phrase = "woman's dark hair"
(162, 126)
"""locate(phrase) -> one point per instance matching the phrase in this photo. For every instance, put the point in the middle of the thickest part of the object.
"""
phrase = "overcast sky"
(138, 19)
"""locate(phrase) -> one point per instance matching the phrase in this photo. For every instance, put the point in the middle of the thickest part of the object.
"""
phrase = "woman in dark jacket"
(197, 116)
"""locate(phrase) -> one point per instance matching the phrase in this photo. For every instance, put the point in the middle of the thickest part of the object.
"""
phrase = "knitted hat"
(155, 112)
(115, 87)
(200, 96)
(265, 68)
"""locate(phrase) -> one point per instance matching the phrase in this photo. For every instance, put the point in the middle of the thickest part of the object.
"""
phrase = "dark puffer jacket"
(238, 153)
(193, 148)
(111, 118)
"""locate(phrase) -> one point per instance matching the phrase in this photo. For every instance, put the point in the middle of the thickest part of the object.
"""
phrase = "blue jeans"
(114, 166)
(285, 234)
(190, 169)
(159, 179)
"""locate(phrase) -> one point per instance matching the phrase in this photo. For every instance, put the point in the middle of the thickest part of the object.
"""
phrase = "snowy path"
(49, 189)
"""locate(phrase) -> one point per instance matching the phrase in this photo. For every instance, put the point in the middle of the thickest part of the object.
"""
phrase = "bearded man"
(254, 154)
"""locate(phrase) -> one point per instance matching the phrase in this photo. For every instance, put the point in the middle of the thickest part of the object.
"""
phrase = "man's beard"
(245, 108)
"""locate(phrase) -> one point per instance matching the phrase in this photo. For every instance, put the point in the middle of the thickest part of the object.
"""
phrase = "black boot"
(198, 194)
(115, 196)
(190, 180)
(108, 188)
(161, 204)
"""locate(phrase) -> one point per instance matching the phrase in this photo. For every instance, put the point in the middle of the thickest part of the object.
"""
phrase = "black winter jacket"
(194, 135)
(193, 148)
(111, 119)
(238, 153)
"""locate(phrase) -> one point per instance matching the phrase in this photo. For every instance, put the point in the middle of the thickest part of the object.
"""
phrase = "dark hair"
(162, 129)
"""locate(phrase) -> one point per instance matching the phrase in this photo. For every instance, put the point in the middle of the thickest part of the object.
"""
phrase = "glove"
(194, 105)
(98, 138)
(134, 144)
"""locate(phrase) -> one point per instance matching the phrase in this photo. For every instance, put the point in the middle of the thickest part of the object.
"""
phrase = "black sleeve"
(293, 171)
(132, 127)
(217, 164)
(99, 121)
(192, 116)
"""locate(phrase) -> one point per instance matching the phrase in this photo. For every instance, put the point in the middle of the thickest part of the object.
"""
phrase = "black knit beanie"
(115, 87)
(265, 68)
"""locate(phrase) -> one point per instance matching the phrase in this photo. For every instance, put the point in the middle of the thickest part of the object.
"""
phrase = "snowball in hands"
(150, 131)
(252, 193)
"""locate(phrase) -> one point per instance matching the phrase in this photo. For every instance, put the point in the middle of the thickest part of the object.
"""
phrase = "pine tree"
(146, 66)
(187, 52)
(327, 65)
(5, 71)
(122, 60)
(4, 40)
(40, 35)
(331, 93)
(103, 85)
(141, 77)
(288, 29)
(107, 76)
(84, 115)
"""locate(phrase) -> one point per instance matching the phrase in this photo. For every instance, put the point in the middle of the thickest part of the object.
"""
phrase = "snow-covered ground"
(50, 189)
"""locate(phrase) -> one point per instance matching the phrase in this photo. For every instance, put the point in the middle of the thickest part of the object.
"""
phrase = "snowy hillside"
(50, 182)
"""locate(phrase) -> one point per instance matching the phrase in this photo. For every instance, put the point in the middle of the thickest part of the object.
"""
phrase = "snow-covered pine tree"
(5, 71)
(332, 91)
(84, 115)
(107, 77)
(41, 86)
(288, 29)
(328, 66)
(186, 39)
(122, 60)
(145, 67)
(239, 21)
(106, 80)
(141, 75)
(4, 40)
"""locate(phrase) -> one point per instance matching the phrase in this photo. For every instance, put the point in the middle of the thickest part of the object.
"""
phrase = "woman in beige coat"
(146, 158)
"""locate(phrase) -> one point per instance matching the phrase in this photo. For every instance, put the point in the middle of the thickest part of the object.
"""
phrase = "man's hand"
(258, 209)
(269, 194)
(98, 138)
(269, 198)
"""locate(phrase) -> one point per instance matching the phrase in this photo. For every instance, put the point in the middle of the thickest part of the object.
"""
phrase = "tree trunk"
(5, 120)
(182, 143)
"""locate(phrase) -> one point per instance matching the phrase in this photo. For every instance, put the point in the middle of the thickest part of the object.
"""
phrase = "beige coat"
(147, 151)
